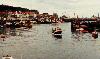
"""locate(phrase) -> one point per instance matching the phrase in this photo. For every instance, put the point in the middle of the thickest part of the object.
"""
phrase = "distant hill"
(11, 8)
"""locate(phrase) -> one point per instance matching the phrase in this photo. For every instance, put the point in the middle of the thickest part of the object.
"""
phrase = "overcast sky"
(67, 7)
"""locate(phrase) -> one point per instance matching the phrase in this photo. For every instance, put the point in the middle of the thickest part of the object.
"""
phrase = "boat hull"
(95, 35)
(57, 35)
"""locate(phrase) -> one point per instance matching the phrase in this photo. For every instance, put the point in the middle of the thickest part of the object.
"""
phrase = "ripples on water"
(38, 43)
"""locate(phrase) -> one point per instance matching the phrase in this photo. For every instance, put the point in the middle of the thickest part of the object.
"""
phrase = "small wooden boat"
(57, 32)
(2, 36)
(7, 57)
(82, 30)
(95, 34)
(25, 29)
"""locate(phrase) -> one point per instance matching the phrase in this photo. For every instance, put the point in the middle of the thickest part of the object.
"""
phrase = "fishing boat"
(95, 34)
(7, 57)
(57, 32)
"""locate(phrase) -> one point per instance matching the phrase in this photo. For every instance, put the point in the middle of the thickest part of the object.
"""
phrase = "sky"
(85, 8)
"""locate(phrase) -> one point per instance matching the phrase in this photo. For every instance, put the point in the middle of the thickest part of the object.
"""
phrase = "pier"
(87, 24)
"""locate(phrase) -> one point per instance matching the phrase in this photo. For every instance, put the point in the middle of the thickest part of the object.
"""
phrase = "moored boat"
(7, 57)
(95, 34)
(82, 30)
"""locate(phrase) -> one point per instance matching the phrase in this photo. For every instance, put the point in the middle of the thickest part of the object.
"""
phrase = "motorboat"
(7, 57)
(57, 32)
(95, 34)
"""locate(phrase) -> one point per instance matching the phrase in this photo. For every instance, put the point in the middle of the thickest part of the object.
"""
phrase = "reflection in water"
(38, 43)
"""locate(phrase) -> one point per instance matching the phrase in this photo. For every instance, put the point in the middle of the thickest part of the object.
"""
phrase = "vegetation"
(11, 8)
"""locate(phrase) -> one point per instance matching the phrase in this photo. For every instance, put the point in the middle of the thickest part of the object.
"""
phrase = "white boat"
(7, 57)
(57, 32)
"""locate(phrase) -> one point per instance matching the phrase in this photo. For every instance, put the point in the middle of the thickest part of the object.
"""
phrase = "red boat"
(95, 34)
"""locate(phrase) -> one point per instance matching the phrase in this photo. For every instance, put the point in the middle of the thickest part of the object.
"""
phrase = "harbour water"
(38, 43)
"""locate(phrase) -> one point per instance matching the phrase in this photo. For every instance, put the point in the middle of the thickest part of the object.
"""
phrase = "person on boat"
(53, 30)
(58, 30)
